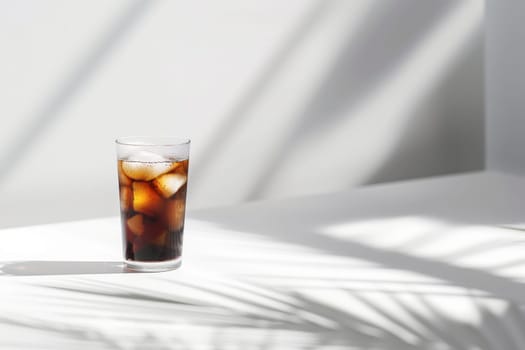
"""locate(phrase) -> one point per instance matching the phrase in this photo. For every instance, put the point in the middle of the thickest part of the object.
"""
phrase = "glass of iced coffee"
(153, 178)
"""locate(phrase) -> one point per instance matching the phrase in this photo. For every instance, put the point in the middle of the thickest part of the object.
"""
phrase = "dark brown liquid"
(152, 203)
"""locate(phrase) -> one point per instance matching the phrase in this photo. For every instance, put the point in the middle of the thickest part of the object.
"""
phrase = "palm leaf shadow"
(344, 328)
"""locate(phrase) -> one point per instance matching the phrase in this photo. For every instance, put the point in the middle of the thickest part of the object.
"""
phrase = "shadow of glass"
(43, 268)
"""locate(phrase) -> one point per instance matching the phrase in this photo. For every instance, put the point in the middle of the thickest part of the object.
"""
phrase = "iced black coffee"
(153, 190)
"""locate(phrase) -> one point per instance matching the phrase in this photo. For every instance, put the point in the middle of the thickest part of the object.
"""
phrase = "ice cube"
(138, 244)
(168, 184)
(146, 200)
(147, 157)
(160, 239)
(136, 224)
(130, 237)
(126, 198)
(153, 227)
(146, 166)
(185, 165)
(175, 209)
(122, 178)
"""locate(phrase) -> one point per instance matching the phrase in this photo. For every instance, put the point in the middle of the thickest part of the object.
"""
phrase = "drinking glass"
(153, 180)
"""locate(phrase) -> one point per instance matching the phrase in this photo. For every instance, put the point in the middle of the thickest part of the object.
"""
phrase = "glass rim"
(152, 141)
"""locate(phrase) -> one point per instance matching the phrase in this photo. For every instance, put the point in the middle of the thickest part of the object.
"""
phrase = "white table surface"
(426, 264)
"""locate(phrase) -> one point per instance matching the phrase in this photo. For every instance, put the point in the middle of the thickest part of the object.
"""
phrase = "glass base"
(153, 266)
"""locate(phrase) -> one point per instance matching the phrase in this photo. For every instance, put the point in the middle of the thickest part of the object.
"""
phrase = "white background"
(280, 98)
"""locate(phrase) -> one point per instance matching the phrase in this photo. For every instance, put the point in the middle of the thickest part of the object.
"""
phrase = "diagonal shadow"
(461, 103)
(350, 327)
(132, 295)
(91, 336)
(250, 97)
(353, 327)
(50, 111)
(389, 316)
(361, 65)
(460, 276)
(289, 228)
(495, 331)
(435, 330)
(515, 317)
(356, 75)
(448, 328)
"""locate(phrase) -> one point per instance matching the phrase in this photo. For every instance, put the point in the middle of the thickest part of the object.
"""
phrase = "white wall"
(505, 85)
(280, 98)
